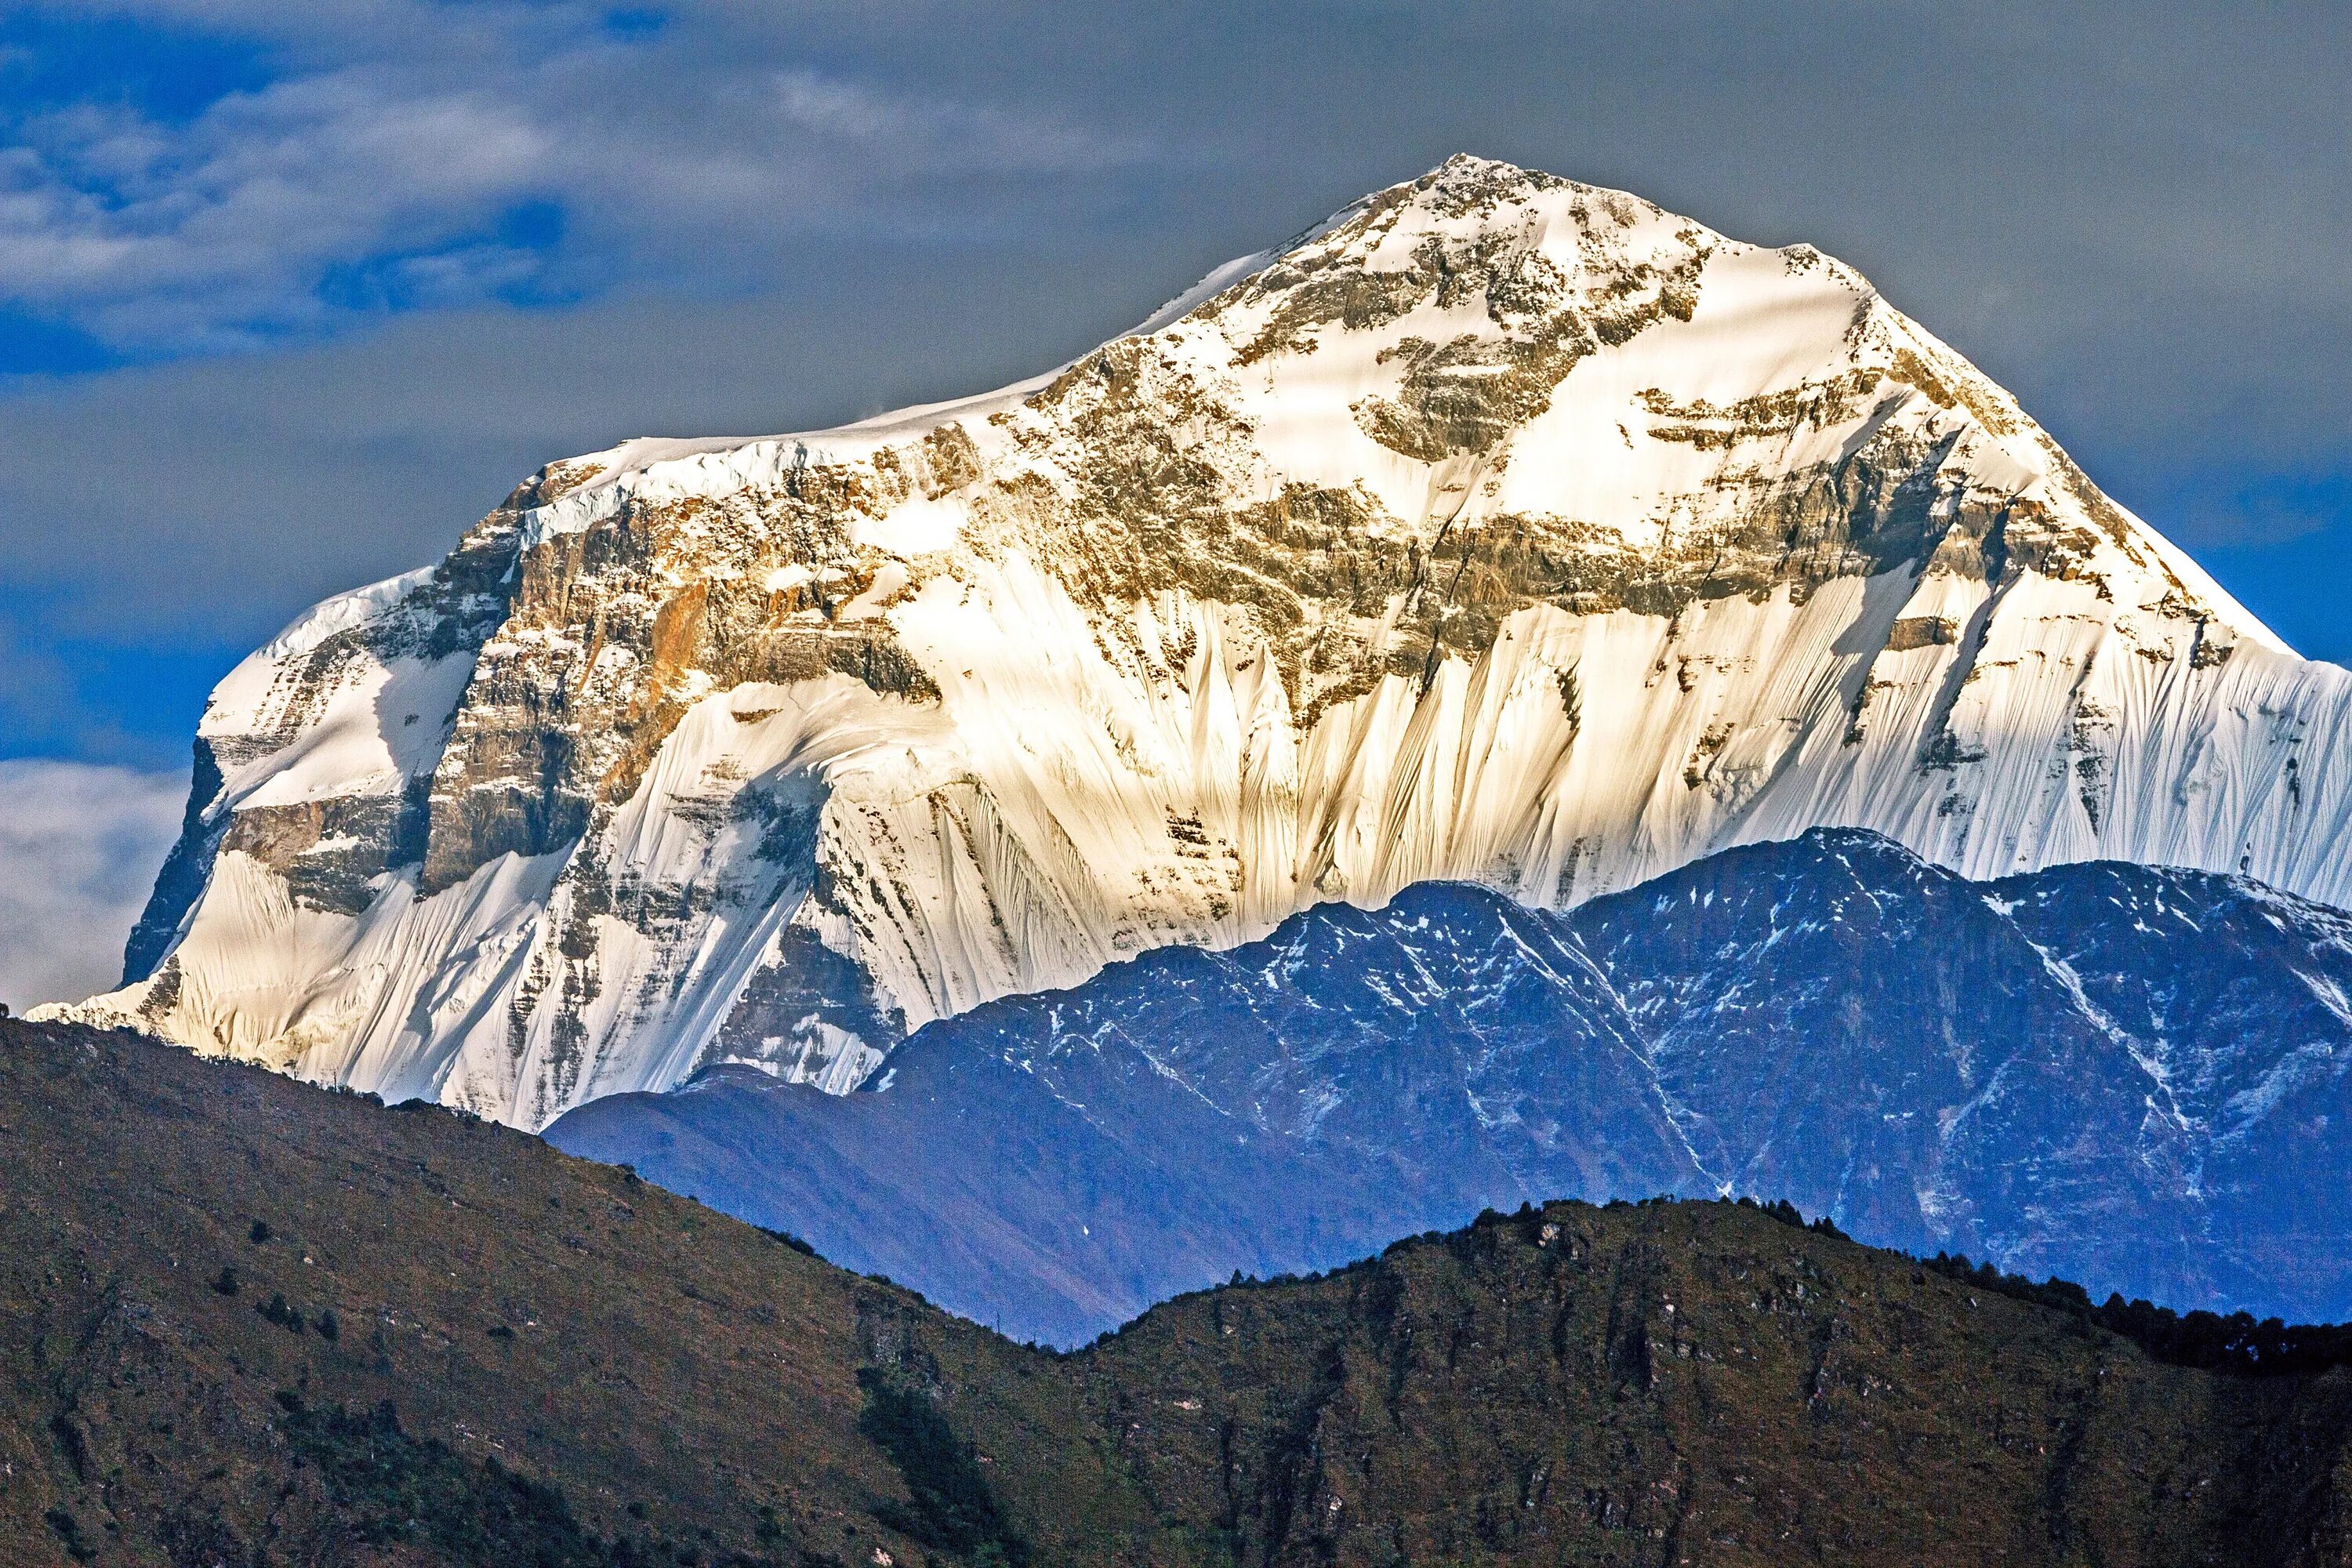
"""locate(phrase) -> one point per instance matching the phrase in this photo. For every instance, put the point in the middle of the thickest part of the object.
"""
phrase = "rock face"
(2132, 1077)
(1498, 528)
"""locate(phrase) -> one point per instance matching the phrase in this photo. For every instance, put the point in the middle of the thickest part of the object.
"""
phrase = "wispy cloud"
(402, 137)
(79, 846)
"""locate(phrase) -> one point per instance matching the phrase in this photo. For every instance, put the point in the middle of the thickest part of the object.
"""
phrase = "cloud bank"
(79, 846)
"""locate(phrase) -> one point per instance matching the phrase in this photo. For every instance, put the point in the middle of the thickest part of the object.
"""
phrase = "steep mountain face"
(248, 1322)
(1498, 528)
(2132, 1077)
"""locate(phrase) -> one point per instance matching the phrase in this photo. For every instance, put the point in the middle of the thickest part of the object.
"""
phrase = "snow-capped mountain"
(2137, 1077)
(1498, 528)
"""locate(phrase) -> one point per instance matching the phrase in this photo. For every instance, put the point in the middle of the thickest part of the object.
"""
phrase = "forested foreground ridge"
(247, 1321)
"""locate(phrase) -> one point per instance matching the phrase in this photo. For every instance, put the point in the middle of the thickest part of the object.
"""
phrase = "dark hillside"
(201, 1263)
(245, 1322)
(1678, 1383)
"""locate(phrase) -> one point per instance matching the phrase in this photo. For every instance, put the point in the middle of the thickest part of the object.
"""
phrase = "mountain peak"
(1498, 529)
(1466, 177)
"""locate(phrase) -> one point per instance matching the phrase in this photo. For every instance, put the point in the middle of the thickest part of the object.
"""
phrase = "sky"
(292, 293)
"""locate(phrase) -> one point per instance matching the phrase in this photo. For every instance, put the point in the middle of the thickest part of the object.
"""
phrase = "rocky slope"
(1498, 528)
(2132, 1077)
(248, 1322)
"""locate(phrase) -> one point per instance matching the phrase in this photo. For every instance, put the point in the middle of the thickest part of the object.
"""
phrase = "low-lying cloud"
(79, 846)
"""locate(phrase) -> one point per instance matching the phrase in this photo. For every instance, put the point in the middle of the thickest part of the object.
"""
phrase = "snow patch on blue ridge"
(2331, 996)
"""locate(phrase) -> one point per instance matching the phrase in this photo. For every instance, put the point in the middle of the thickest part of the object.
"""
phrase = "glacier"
(1498, 529)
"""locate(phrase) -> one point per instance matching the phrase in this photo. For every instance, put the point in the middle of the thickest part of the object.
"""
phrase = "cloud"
(79, 846)
(392, 150)
(2243, 510)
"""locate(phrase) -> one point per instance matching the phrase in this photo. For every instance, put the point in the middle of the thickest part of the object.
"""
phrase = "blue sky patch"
(49, 61)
